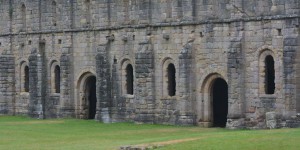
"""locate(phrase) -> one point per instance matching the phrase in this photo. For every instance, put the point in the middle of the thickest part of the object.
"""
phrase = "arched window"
(269, 75)
(26, 79)
(57, 79)
(126, 10)
(171, 79)
(179, 7)
(87, 12)
(168, 78)
(23, 14)
(169, 8)
(129, 79)
(53, 13)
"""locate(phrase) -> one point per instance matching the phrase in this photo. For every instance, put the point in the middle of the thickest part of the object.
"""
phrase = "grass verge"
(25, 133)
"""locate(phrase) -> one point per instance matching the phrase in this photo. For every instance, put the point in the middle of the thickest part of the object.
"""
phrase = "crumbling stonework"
(178, 50)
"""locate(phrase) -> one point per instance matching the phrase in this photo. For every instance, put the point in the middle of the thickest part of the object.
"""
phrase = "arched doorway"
(87, 103)
(90, 95)
(219, 97)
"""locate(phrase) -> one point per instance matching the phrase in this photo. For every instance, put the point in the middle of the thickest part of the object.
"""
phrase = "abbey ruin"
(212, 63)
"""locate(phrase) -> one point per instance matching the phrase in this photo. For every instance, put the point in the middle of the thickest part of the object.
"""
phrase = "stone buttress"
(103, 71)
(37, 82)
(7, 83)
(144, 73)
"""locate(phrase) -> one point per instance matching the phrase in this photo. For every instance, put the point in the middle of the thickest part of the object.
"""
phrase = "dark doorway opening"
(220, 103)
(270, 75)
(91, 97)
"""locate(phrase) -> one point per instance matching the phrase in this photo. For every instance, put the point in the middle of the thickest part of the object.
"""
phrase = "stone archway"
(212, 101)
(87, 96)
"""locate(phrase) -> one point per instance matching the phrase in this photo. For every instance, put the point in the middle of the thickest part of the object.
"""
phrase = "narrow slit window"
(169, 9)
(126, 4)
(129, 79)
(54, 13)
(88, 12)
(171, 80)
(26, 79)
(179, 7)
(269, 75)
(23, 11)
(57, 79)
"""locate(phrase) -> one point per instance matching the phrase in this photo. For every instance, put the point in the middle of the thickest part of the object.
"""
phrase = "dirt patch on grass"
(155, 145)
(170, 142)
(36, 122)
(158, 144)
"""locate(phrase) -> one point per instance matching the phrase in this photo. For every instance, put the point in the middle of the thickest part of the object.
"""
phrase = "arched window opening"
(171, 79)
(129, 79)
(269, 75)
(23, 13)
(26, 79)
(54, 13)
(179, 7)
(126, 10)
(169, 9)
(57, 79)
(88, 12)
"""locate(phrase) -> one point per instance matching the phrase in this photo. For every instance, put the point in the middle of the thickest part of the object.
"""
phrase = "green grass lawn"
(25, 133)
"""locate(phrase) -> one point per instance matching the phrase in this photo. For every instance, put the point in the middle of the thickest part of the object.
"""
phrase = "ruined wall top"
(45, 15)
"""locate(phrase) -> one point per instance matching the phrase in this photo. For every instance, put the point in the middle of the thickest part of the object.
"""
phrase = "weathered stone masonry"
(182, 54)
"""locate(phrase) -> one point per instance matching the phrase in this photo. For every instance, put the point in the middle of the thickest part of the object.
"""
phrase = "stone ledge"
(205, 124)
(273, 121)
(171, 24)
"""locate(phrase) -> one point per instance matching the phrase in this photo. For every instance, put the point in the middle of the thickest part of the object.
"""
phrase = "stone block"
(271, 120)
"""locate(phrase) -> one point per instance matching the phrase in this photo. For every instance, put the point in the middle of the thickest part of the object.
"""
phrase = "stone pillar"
(144, 94)
(7, 82)
(103, 71)
(186, 116)
(236, 78)
(297, 99)
(37, 82)
(116, 110)
(145, 11)
(188, 11)
(291, 67)
(66, 88)
(177, 10)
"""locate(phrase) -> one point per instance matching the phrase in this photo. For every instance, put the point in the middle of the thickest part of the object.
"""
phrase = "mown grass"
(25, 133)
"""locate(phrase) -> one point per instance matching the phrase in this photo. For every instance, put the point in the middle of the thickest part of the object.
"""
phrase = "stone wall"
(204, 39)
